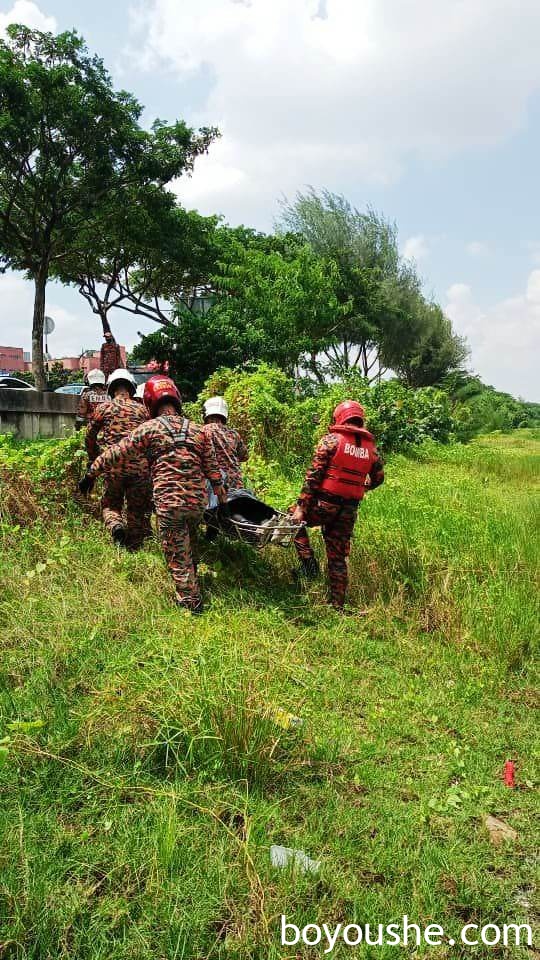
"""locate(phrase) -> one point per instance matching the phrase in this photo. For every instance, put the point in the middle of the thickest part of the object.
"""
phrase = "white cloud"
(504, 338)
(216, 175)
(416, 248)
(304, 98)
(476, 248)
(24, 11)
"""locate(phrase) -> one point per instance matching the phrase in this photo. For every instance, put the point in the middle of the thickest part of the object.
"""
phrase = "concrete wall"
(29, 414)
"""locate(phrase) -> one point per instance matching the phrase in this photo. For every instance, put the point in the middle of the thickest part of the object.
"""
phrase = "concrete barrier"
(30, 414)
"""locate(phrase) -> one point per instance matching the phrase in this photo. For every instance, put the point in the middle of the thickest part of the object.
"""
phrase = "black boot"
(118, 535)
(309, 569)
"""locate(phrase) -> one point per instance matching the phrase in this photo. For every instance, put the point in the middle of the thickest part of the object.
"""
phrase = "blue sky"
(428, 112)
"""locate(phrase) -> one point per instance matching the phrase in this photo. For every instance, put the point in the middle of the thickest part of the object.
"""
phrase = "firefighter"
(346, 464)
(110, 358)
(127, 484)
(181, 458)
(91, 398)
(230, 448)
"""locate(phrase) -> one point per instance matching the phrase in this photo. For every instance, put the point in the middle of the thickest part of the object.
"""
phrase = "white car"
(13, 383)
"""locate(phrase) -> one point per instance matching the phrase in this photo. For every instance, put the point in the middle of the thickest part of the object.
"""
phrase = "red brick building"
(11, 360)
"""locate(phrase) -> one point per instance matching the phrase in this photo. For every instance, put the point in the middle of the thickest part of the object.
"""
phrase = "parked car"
(13, 383)
(140, 376)
(74, 389)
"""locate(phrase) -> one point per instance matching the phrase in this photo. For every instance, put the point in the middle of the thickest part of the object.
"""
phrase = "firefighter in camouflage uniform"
(181, 459)
(110, 357)
(128, 484)
(230, 449)
(346, 464)
(91, 397)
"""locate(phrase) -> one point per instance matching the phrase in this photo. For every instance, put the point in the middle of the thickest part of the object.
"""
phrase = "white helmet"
(121, 375)
(95, 376)
(216, 406)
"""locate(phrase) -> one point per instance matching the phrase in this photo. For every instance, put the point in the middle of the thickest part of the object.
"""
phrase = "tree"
(69, 144)
(194, 348)
(435, 352)
(363, 248)
(270, 295)
(281, 293)
(138, 253)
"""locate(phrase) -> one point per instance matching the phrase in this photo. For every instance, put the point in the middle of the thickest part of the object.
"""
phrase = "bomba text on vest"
(360, 452)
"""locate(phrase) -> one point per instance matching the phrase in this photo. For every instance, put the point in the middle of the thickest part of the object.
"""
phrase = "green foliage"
(197, 345)
(425, 357)
(478, 408)
(137, 253)
(37, 479)
(70, 147)
(397, 415)
(384, 320)
(281, 425)
(279, 294)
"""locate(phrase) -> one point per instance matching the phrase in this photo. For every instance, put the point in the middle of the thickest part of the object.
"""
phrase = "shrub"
(279, 424)
(36, 476)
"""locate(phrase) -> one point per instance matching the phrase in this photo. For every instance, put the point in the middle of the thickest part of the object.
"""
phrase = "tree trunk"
(38, 366)
(104, 321)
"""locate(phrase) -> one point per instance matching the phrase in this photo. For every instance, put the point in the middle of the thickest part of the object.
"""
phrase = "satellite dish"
(48, 325)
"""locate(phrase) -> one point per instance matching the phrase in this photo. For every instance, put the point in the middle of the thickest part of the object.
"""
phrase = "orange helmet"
(158, 389)
(348, 410)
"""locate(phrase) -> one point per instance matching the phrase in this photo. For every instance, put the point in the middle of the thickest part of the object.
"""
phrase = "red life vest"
(352, 462)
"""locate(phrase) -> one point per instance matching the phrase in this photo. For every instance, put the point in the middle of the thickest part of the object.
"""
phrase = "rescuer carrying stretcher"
(125, 484)
(231, 450)
(181, 459)
(346, 464)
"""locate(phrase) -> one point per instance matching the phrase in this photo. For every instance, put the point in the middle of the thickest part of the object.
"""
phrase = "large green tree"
(385, 321)
(433, 353)
(280, 292)
(268, 298)
(363, 247)
(69, 144)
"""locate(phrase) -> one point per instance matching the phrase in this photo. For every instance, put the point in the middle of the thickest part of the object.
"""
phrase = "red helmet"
(348, 410)
(158, 389)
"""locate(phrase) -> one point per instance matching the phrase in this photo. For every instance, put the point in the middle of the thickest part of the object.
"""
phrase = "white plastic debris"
(283, 856)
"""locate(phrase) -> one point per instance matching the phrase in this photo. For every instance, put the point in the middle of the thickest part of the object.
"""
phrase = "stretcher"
(244, 517)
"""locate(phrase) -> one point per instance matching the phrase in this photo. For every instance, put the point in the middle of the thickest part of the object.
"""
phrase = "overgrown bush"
(280, 423)
(37, 476)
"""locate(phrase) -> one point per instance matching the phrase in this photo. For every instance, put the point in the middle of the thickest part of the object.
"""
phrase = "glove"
(86, 484)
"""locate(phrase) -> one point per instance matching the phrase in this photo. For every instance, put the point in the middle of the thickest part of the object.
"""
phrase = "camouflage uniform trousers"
(134, 491)
(177, 528)
(337, 525)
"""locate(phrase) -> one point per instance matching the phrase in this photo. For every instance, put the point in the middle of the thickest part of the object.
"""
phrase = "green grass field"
(144, 775)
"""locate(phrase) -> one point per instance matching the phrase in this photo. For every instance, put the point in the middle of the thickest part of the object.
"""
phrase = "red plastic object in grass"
(509, 775)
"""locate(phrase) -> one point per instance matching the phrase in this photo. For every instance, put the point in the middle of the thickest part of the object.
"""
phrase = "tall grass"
(145, 761)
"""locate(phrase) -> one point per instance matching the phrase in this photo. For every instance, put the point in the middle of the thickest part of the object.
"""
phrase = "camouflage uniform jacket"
(110, 358)
(179, 467)
(112, 422)
(90, 400)
(230, 450)
(324, 452)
